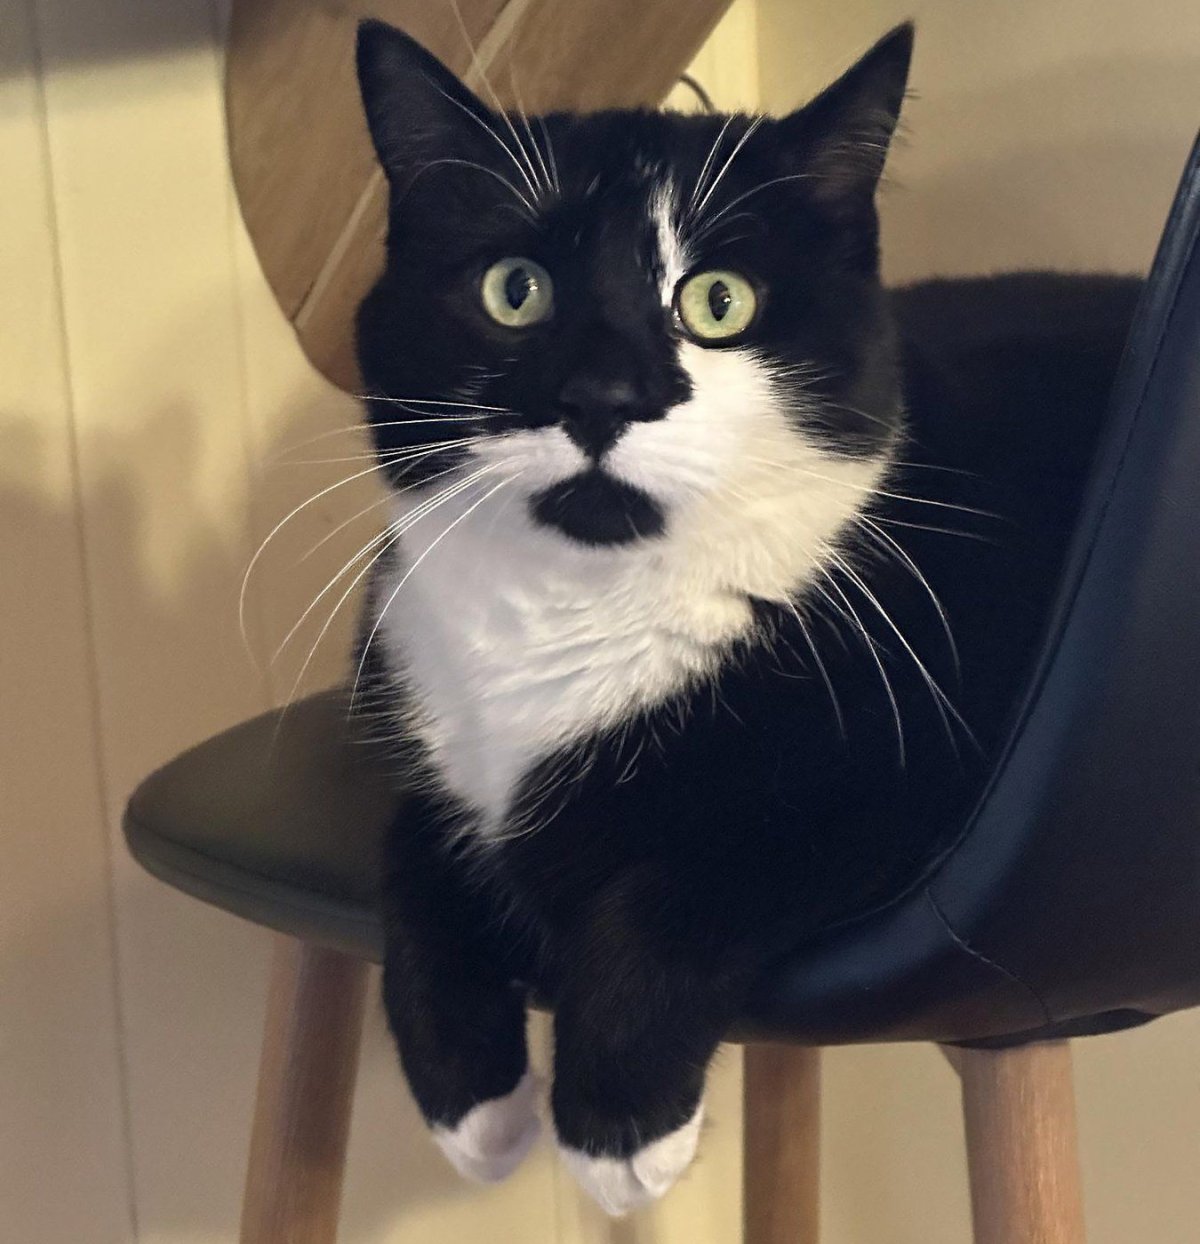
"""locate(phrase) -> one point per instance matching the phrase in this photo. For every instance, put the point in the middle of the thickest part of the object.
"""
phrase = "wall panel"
(137, 149)
(64, 1170)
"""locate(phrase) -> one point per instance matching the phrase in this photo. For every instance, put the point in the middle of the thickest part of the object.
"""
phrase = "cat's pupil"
(719, 299)
(518, 287)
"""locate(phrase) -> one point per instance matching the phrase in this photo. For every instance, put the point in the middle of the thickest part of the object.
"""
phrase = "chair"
(1069, 905)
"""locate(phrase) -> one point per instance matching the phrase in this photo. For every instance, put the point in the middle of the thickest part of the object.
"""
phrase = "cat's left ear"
(839, 141)
(416, 109)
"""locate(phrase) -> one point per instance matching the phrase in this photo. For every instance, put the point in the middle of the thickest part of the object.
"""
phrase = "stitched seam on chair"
(965, 946)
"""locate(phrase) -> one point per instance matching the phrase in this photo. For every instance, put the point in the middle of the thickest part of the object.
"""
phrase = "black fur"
(683, 857)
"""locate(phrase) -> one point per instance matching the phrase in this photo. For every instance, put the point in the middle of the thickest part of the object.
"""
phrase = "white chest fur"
(516, 642)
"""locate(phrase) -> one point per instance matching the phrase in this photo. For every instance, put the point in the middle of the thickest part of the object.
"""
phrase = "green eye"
(716, 305)
(517, 292)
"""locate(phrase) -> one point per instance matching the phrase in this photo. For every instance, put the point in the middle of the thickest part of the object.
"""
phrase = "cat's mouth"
(598, 509)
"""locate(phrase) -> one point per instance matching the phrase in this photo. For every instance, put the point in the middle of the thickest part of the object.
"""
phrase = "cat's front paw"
(619, 1185)
(491, 1140)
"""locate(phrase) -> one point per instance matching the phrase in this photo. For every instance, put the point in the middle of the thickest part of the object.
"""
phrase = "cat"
(713, 572)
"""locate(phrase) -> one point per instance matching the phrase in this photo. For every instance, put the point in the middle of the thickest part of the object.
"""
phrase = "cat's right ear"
(416, 109)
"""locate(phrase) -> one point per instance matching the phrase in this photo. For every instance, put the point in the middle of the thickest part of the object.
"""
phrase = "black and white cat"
(712, 574)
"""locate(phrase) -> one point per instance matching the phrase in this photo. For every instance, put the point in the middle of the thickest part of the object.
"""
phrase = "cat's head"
(633, 317)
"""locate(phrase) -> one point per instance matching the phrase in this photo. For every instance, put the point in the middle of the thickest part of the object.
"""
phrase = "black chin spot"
(594, 508)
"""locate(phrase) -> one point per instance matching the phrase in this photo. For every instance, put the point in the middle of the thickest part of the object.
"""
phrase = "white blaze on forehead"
(670, 247)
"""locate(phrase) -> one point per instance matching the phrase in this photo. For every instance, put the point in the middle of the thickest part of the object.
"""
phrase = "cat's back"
(1014, 368)
(953, 318)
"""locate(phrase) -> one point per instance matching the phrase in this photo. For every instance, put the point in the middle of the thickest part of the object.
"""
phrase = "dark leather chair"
(1069, 905)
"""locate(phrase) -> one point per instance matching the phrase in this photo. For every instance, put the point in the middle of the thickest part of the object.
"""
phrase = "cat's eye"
(716, 306)
(517, 292)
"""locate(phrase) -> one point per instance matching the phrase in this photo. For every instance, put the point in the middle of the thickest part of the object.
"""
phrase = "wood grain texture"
(781, 1145)
(311, 194)
(1022, 1149)
(306, 1081)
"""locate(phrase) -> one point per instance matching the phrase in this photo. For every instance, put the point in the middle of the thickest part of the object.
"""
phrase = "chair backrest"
(1072, 899)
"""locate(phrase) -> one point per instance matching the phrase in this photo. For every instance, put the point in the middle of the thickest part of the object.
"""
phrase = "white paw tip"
(619, 1185)
(491, 1140)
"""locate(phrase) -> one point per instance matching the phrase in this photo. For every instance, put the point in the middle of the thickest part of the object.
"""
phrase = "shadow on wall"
(192, 979)
(1084, 183)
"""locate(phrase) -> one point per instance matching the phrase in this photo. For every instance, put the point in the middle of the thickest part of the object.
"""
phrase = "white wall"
(1042, 133)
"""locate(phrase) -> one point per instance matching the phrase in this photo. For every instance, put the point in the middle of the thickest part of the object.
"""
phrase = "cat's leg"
(634, 1033)
(458, 1020)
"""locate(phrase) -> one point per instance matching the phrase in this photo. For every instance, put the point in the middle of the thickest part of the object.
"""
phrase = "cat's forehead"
(637, 154)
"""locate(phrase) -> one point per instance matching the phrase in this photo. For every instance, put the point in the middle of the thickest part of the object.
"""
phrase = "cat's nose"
(595, 410)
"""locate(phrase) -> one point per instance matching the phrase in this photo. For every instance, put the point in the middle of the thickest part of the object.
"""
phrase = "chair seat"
(279, 820)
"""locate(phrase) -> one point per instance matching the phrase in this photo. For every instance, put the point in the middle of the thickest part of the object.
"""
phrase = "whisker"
(363, 513)
(479, 168)
(868, 489)
(429, 401)
(349, 479)
(940, 531)
(708, 225)
(512, 84)
(477, 66)
(747, 134)
(360, 429)
(872, 648)
(386, 456)
(408, 574)
(346, 522)
(386, 538)
(837, 708)
(941, 701)
(699, 187)
(929, 466)
(871, 529)
(549, 154)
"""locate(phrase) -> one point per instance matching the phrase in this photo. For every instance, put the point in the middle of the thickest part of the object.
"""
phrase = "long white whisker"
(363, 513)
(872, 649)
(941, 701)
(550, 154)
(939, 531)
(512, 83)
(477, 65)
(387, 537)
(710, 224)
(387, 456)
(274, 531)
(871, 528)
(837, 708)
(869, 489)
(346, 522)
(429, 401)
(361, 429)
(698, 188)
(408, 574)
(747, 134)
(479, 168)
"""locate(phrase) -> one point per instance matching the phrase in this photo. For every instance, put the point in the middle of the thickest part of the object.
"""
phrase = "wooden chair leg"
(305, 1089)
(781, 1146)
(1019, 1110)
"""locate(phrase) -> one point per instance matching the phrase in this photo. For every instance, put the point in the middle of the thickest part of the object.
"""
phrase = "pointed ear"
(416, 109)
(840, 140)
